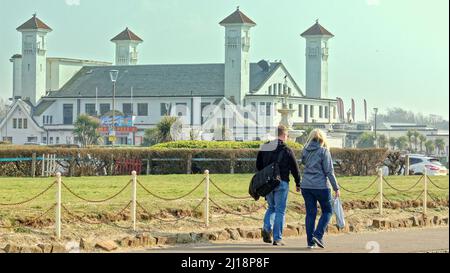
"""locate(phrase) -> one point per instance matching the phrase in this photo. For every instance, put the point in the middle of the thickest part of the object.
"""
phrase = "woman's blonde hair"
(318, 136)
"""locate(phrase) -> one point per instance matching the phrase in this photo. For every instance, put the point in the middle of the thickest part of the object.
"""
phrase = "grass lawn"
(171, 186)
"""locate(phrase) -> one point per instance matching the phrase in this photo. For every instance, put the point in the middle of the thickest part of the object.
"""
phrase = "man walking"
(277, 200)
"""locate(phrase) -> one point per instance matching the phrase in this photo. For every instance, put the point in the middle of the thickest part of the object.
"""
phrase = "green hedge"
(194, 144)
(100, 161)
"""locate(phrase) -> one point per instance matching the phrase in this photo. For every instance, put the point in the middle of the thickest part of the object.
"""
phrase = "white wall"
(20, 136)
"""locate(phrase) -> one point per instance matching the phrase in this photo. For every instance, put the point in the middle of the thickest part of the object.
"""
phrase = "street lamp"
(375, 110)
(114, 75)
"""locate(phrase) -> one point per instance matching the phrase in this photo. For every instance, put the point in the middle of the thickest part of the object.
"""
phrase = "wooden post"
(43, 165)
(148, 166)
(232, 161)
(58, 206)
(207, 198)
(380, 178)
(133, 199)
(189, 164)
(407, 165)
(33, 165)
(425, 191)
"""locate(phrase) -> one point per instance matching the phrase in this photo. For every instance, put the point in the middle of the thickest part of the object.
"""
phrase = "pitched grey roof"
(157, 80)
(42, 106)
(34, 23)
(316, 30)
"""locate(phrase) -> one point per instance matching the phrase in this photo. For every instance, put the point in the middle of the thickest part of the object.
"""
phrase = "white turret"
(34, 59)
(17, 75)
(126, 47)
(237, 59)
(317, 61)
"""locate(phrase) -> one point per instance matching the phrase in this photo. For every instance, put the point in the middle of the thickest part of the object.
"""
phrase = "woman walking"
(315, 186)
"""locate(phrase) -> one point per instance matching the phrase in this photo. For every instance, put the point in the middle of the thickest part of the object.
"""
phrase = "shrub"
(101, 161)
(195, 144)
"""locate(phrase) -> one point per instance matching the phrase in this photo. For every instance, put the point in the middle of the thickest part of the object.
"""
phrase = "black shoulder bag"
(267, 179)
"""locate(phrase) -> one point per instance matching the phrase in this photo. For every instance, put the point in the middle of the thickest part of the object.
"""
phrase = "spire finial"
(35, 14)
(317, 20)
(237, 8)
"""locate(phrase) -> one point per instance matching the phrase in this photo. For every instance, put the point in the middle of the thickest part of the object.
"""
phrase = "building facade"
(55, 91)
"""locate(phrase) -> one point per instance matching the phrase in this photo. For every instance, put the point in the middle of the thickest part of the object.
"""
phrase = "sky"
(393, 53)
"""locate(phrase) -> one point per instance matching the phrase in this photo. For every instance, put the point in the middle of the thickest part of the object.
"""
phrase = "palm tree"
(409, 135)
(393, 142)
(430, 147)
(382, 141)
(422, 140)
(85, 129)
(440, 144)
(416, 139)
(402, 143)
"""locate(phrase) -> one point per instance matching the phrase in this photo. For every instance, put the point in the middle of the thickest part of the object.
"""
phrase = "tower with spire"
(126, 47)
(237, 59)
(33, 60)
(317, 61)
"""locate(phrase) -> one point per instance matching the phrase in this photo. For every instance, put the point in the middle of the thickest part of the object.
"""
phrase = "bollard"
(58, 206)
(33, 165)
(425, 191)
(133, 199)
(207, 198)
(380, 202)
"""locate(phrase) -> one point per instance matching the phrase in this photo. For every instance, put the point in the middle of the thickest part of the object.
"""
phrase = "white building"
(50, 93)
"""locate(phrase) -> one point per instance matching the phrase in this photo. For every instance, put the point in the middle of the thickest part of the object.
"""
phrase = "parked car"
(418, 164)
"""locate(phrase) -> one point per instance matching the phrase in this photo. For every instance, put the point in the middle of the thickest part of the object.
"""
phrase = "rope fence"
(133, 206)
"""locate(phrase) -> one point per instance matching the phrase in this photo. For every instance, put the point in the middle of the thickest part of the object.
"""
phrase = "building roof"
(317, 30)
(34, 23)
(16, 56)
(157, 80)
(127, 35)
(237, 17)
(42, 106)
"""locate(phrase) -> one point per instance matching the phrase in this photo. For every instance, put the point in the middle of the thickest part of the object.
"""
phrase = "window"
(90, 110)
(262, 109)
(57, 140)
(311, 111)
(334, 112)
(44, 140)
(204, 114)
(291, 106)
(275, 89)
(51, 140)
(104, 108)
(14, 123)
(181, 109)
(327, 112)
(300, 110)
(142, 109)
(321, 111)
(20, 124)
(165, 109)
(25, 123)
(268, 109)
(270, 90)
(127, 109)
(67, 114)
(32, 139)
(280, 89)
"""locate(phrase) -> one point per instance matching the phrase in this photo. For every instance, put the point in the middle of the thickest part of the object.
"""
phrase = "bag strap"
(309, 157)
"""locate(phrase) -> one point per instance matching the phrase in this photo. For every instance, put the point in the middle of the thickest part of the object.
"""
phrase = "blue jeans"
(312, 196)
(275, 215)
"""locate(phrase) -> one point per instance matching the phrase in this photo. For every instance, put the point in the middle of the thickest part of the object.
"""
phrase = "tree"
(382, 141)
(3, 108)
(393, 142)
(422, 140)
(409, 135)
(366, 140)
(86, 130)
(415, 139)
(163, 132)
(430, 147)
(440, 144)
(402, 143)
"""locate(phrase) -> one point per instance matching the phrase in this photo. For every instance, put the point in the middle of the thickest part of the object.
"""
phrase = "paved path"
(396, 241)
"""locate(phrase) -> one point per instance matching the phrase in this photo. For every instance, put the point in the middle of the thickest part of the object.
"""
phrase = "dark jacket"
(318, 168)
(269, 154)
